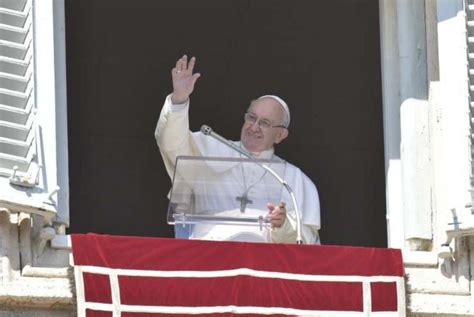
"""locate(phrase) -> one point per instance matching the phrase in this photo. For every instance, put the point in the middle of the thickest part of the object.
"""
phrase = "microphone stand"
(206, 130)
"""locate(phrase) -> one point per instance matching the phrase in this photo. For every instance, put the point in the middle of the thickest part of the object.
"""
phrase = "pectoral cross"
(243, 201)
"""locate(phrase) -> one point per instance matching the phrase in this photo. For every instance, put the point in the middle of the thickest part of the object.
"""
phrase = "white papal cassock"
(174, 139)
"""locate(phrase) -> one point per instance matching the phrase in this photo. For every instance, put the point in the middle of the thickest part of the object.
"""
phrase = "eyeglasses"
(262, 123)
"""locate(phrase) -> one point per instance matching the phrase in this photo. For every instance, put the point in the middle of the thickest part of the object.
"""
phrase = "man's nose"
(255, 126)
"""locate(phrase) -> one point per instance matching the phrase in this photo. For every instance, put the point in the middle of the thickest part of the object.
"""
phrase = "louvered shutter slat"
(15, 115)
(13, 50)
(16, 5)
(12, 82)
(13, 34)
(14, 18)
(13, 99)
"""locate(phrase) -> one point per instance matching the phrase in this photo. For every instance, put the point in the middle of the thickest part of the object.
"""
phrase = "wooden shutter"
(33, 129)
(17, 104)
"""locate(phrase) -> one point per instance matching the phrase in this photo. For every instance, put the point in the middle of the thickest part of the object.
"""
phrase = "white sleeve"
(287, 232)
(307, 197)
(172, 134)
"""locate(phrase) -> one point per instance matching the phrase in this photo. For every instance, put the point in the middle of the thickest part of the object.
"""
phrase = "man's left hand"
(276, 214)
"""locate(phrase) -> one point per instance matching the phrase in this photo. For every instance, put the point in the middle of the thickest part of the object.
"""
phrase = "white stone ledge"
(37, 313)
(38, 293)
(420, 258)
(439, 305)
(31, 271)
(422, 280)
(32, 207)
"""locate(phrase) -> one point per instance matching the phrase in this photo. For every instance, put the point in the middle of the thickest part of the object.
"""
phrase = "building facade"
(427, 51)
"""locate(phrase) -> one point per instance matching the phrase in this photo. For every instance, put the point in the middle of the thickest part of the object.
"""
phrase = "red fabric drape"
(159, 254)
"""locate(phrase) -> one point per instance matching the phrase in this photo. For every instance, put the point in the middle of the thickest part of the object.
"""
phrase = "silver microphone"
(207, 130)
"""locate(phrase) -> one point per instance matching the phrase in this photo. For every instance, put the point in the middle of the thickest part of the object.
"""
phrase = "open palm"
(183, 79)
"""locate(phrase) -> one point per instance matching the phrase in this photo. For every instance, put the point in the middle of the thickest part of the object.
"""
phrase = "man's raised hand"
(183, 79)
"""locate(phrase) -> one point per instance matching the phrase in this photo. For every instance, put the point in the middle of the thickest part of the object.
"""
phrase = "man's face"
(257, 139)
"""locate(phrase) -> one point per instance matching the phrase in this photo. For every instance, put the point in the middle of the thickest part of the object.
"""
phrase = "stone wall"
(35, 280)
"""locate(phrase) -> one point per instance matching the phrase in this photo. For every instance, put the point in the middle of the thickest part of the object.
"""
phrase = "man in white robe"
(266, 124)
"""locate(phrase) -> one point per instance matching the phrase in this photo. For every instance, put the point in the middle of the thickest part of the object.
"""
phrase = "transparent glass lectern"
(223, 198)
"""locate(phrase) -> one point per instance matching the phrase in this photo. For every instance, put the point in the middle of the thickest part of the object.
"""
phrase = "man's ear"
(283, 134)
